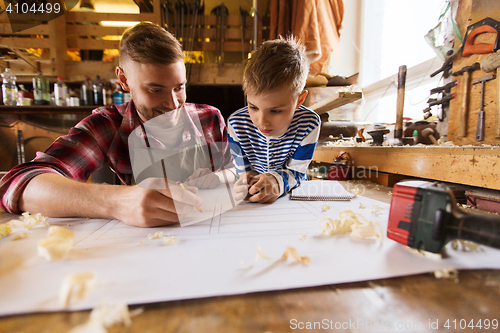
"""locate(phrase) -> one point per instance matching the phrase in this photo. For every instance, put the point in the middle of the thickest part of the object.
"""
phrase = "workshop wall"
(466, 16)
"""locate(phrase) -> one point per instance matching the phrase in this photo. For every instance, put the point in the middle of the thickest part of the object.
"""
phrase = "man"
(152, 69)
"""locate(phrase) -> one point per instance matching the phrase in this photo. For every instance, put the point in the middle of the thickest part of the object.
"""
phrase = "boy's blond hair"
(277, 63)
(149, 43)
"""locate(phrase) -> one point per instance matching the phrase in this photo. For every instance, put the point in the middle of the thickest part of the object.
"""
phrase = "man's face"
(156, 89)
(272, 113)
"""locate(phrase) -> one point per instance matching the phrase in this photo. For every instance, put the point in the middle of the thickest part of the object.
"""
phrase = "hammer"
(464, 113)
(429, 132)
(398, 127)
(490, 64)
(480, 115)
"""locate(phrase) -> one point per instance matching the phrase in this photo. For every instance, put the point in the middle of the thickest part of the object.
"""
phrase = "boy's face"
(156, 89)
(272, 113)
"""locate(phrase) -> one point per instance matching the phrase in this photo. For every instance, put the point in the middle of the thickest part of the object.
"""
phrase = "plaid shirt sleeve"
(75, 155)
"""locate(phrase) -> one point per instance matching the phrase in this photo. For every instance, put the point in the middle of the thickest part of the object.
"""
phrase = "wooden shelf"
(475, 166)
(336, 100)
(46, 109)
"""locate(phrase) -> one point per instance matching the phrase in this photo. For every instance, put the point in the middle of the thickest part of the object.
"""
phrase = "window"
(392, 34)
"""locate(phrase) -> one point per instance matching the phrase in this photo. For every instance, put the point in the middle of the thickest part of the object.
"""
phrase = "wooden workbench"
(475, 166)
(404, 301)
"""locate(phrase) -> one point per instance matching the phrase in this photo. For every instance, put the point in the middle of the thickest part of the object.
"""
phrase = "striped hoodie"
(285, 157)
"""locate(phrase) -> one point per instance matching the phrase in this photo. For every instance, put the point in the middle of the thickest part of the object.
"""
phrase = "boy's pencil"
(182, 185)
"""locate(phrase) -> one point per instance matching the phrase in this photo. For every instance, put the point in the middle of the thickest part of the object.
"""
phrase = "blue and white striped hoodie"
(285, 157)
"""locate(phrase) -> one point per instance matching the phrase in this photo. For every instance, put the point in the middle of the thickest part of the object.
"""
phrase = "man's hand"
(242, 185)
(152, 204)
(203, 178)
(264, 188)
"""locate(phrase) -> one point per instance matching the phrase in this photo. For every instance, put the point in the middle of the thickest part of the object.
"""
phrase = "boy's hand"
(203, 178)
(241, 186)
(265, 188)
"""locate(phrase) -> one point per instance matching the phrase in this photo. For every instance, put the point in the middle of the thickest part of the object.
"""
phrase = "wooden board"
(336, 100)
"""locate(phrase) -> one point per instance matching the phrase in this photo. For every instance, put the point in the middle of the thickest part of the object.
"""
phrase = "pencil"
(182, 185)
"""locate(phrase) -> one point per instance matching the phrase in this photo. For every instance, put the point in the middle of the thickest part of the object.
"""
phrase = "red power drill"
(425, 216)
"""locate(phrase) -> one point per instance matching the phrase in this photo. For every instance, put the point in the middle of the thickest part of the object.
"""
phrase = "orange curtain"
(316, 23)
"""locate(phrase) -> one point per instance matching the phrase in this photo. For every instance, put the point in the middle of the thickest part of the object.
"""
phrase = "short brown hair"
(149, 43)
(275, 64)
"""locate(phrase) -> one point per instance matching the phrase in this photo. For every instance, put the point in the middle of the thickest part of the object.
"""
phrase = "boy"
(274, 137)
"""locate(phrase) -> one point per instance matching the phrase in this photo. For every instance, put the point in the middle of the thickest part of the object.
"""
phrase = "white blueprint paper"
(207, 260)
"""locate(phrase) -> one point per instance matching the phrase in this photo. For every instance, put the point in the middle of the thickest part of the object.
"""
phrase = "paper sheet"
(206, 261)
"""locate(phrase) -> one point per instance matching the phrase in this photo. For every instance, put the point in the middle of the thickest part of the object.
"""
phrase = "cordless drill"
(424, 216)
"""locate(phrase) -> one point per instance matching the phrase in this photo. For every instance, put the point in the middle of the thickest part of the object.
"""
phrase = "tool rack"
(81, 30)
(464, 14)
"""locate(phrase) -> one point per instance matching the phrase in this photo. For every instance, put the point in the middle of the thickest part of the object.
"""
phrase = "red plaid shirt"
(103, 138)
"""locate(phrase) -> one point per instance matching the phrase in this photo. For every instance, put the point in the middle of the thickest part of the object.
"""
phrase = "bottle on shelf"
(41, 90)
(118, 95)
(87, 92)
(109, 94)
(98, 87)
(60, 92)
(9, 88)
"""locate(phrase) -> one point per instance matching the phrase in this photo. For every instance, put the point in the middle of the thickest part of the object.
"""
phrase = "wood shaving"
(57, 245)
(351, 223)
(156, 235)
(464, 245)
(288, 251)
(361, 206)
(437, 256)
(376, 209)
(76, 287)
(356, 191)
(28, 221)
(170, 240)
(4, 231)
(19, 235)
(105, 316)
(261, 253)
(446, 273)
(325, 207)
(293, 252)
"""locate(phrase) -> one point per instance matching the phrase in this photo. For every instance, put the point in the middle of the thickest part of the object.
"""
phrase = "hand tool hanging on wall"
(398, 128)
(445, 68)
(202, 37)
(165, 13)
(243, 19)
(490, 64)
(443, 100)
(180, 10)
(195, 9)
(221, 13)
(464, 111)
(425, 216)
(485, 25)
(480, 115)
